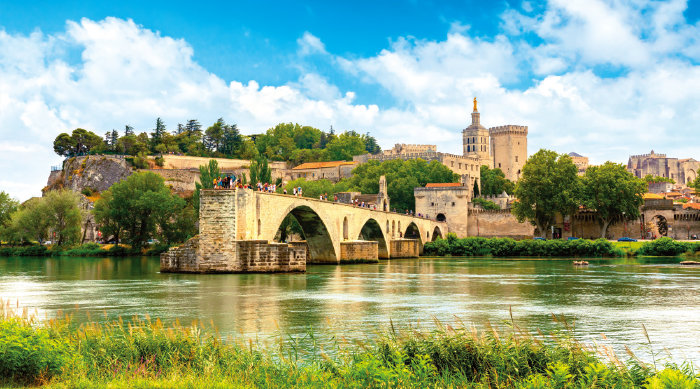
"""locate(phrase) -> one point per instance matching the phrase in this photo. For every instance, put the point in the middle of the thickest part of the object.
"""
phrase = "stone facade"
(509, 149)
(403, 148)
(497, 224)
(445, 202)
(682, 171)
(580, 161)
(359, 251)
(332, 171)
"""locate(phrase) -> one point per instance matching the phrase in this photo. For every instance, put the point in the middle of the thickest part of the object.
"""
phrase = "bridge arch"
(371, 230)
(320, 242)
(413, 232)
(437, 233)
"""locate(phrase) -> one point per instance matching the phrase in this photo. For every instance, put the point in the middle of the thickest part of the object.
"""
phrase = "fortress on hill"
(503, 147)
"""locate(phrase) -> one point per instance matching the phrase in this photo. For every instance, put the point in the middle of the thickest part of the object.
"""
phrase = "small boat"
(690, 263)
(580, 263)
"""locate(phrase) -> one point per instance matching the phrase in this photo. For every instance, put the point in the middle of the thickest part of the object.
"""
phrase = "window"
(432, 204)
(516, 158)
(460, 165)
(453, 203)
(499, 165)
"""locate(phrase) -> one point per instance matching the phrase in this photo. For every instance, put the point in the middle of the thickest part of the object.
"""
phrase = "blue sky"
(605, 79)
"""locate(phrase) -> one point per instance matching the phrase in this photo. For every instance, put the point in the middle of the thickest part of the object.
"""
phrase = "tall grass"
(506, 247)
(146, 353)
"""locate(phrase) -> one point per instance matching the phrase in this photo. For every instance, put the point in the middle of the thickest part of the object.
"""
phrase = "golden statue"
(475, 105)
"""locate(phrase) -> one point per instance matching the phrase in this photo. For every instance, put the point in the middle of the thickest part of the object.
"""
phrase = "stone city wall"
(181, 259)
(359, 251)
(497, 224)
(259, 256)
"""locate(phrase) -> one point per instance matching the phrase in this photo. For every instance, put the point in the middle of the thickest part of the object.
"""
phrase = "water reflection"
(611, 297)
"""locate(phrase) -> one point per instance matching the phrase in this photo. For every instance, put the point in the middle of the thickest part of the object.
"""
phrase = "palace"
(682, 171)
(503, 147)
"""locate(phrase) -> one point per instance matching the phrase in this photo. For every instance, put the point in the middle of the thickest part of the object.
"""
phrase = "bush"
(158, 248)
(506, 247)
(160, 161)
(35, 250)
(666, 246)
(29, 355)
(87, 191)
(486, 204)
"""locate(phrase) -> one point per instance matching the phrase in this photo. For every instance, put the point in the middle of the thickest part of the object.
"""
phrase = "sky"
(605, 79)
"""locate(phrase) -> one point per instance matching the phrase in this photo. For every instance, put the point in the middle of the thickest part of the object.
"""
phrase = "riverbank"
(506, 247)
(146, 353)
(85, 250)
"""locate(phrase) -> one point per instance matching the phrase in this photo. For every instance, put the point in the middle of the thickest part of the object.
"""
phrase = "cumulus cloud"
(128, 74)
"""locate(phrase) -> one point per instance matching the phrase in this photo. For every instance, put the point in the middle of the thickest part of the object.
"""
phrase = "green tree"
(494, 182)
(131, 145)
(79, 142)
(345, 146)
(695, 184)
(8, 206)
(260, 171)
(651, 178)
(207, 174)
(28, 223)
(549, 185)
(371, 144)
(214, 136)
(314, 189)
(64, 216)
(401, 176)
(232, 143)
(128, 130)
(612, 191)
(106, 217)
(157, 134)
(143, 204)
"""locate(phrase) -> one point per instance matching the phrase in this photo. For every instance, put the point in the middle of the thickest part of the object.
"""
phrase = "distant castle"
(682, 171)
(503, 147)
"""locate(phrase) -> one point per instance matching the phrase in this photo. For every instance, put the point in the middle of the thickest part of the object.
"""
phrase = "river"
(611, 297)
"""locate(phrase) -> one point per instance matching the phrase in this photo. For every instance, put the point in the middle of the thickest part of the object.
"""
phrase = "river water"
(611, 297)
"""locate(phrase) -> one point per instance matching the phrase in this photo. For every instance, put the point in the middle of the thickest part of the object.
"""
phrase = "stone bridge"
(237, 229)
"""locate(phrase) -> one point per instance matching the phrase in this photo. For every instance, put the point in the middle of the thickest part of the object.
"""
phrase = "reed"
(142, 352)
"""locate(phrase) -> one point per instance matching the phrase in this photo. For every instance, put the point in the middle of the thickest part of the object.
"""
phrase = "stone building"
(333, 171)
(503, 147)
(447, 202)
(580, 161)
(402, 148)
(682, 171)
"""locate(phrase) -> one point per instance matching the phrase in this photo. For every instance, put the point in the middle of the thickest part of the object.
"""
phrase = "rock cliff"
(96, 172)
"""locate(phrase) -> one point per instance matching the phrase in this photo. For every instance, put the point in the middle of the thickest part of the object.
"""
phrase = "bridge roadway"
(259, 215)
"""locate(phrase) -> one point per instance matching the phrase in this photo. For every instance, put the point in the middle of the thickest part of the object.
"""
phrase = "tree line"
(284, 142)
(550, 185)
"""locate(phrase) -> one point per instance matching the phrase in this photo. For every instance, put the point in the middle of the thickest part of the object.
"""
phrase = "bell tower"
(475, 139)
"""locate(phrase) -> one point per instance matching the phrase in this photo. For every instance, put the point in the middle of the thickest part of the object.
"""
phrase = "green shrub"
(486, 204)
(160, 161)
(506, 247)
(87, 191)
(157, 248)
(30, 355)
(665, 246)
(35, 250)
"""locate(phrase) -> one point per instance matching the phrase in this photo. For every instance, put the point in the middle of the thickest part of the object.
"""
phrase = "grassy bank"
(85, 250)
(145, 353)
(506, 247)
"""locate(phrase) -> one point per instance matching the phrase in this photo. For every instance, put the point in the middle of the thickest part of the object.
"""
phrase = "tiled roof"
(673, 194)
(692, 206)
(318, 165)
(442, 185)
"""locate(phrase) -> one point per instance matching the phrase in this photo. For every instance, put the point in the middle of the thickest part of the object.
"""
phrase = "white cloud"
(129, 74)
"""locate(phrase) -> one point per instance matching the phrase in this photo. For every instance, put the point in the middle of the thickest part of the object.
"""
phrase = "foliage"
(506, 247)
(146, 353)
(260, 171)
(141, 206)
(612, 191)
(494, 182)
(666, 246)
(345, 146)
(140, 161)
(315, 188)
(57, 212)
(651, 178)
(30, 355)
(79, 142)
(207, 174)
(549, 186)
(401, 177)
(695, 184)
(485, 204)
(8, 206)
